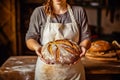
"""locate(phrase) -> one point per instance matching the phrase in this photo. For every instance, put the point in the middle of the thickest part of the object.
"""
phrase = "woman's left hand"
(83, 51)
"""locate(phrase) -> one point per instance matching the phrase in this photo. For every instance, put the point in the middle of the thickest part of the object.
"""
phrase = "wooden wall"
(7, 29)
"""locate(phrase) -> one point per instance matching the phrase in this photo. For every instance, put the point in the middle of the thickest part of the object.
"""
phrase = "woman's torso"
(59, 71)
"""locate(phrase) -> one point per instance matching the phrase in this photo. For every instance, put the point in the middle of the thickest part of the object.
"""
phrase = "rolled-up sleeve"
(33, 31)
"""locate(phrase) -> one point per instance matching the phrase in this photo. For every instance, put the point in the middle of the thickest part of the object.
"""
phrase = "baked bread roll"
(61, 51)
(99, 46)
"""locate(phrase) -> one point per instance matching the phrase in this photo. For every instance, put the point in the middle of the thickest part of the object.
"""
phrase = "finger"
(83, 51)
(81, 55)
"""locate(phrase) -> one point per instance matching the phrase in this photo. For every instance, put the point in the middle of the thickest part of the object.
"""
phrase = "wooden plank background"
(8, 25)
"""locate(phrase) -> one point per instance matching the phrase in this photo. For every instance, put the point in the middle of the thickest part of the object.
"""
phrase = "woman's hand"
(83, 51)
(84, 45)
(38, 51)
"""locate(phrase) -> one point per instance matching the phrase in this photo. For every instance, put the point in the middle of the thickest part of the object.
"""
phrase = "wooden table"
(22, 68)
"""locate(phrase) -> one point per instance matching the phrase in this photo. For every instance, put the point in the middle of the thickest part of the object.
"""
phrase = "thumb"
(83, 49)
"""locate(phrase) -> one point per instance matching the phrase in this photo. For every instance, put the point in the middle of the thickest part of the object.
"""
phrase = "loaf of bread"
(61, 51)
(99, 46)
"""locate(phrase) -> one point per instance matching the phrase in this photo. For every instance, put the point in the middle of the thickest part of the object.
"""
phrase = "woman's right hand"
(38, 51)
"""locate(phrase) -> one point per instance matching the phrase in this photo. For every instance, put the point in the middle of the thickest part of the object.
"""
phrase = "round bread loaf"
(99, 46)
(61, 51)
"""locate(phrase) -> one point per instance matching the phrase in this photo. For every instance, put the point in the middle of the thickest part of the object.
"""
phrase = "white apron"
(54, 31)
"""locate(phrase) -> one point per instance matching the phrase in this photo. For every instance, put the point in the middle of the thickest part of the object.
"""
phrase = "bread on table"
(99, 46)
(102, 50)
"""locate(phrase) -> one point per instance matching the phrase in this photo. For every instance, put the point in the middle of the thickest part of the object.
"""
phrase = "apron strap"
(71, 14)
(48, 19)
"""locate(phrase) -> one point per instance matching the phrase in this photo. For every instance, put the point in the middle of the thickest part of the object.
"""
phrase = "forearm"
(86, 43)
(32, 44)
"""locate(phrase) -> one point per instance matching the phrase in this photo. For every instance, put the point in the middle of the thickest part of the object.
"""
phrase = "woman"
(58, 20)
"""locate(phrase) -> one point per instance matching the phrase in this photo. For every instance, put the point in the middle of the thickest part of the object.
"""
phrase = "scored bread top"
(61, 51)
(100, 45)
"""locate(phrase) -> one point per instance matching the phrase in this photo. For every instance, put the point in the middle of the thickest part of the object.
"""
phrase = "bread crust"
(61, 51)
(99, 46)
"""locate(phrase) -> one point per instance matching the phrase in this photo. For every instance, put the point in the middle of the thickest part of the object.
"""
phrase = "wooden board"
(103, 59)
(110, 56)
(101, 54)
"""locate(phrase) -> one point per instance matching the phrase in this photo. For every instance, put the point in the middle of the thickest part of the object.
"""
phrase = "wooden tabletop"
(24, 66)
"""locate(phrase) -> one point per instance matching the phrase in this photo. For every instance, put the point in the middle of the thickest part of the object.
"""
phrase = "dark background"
(15, 15)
